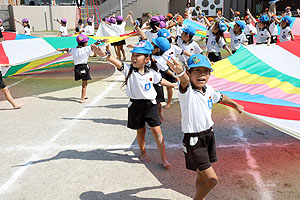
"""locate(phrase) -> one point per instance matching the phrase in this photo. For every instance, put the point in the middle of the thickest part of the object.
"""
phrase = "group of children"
(154, 64)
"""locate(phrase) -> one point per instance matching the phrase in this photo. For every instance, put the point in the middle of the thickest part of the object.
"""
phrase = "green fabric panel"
(12, 70)
(65, 42)
(244, 59)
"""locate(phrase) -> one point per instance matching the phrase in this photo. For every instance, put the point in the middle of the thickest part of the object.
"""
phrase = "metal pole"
(121, 8)
(45, 14)
(50, 13)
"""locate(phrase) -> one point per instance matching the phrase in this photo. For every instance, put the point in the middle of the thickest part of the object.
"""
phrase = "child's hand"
(175, 65)
(97, 50)
(248, 11)
(239, 108)
(130, 46)
(58, 49)
(175, 86)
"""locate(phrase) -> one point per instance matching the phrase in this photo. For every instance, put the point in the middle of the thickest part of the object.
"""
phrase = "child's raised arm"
(65, 49)
(107, 55)
(229, 101)
(251, 17)
(180, 71)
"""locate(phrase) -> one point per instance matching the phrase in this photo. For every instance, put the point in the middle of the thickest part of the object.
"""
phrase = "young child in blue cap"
(285, 29)
(196, 101)
(142, 107)
(237, 35)
(81, 55)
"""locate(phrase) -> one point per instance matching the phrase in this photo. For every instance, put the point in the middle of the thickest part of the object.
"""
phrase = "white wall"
(36, 16)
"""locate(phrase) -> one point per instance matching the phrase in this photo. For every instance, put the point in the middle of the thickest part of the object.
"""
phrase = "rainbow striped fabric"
(266, 81)
(30, 55)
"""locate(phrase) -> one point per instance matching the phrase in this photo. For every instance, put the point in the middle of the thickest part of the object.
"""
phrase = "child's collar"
(202, 91)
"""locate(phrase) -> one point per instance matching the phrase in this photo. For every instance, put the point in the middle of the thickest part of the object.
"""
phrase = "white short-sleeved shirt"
(202, 21)
(26, 30)
(120, 27)
(288, 13)
(196, 108)
(80, 55)
(172, 52)
(150, 35)
(1, 28)
(237, 40)
(82, 28)
(90, 29)
(250, 29)
(285, 34)
(212, 45)
(63, 30)
(273, 28)
(161, 63)
(262, 36)
(179, 29)
(140, 86)
(192, 47)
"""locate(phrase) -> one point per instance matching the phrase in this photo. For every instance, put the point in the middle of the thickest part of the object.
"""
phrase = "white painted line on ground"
(264, 192)
(7, 185)
(16, 83)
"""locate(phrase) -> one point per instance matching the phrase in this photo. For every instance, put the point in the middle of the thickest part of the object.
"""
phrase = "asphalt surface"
(56, 148)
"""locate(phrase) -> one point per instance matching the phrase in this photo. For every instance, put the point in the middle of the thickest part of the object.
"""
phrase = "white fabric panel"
(107, 30)
(290, 127)
(278, 58)
(21, 51)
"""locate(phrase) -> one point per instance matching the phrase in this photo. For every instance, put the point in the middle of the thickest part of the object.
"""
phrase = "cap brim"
(197, 65)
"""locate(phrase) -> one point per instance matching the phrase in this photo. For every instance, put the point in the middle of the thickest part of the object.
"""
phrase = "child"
(186, 43)
(25, 24)
(285, 30)
(1, 30)
(216, 40)
(179, 25)
(288, 11)
(250, 30)
(63, 31)
(236, 15)
(90, 28)
(237, 35)
(81, 55)
(139, 87)
(7, 94)
(263, 33)
(274, 29)
(80, 27)
(120, 26)
(189, 11)
(196, 102)
(154, 24)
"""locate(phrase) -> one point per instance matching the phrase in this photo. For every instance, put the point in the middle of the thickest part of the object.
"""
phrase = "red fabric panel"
(3, 57)
(9, 36)
(274, 111)
(291, 46)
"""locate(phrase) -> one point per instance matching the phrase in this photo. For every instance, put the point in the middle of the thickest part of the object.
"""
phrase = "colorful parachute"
(266, 81)
(15, 36)
(37, 54)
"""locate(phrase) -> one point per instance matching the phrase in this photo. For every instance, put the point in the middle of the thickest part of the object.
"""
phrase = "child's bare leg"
(116, 50)
(161, 113)
(206, 180)
(123, 52)
(119, 52)
(159, 139)
(10, 99)
(141, 141)
(170, 94)
(83, 91)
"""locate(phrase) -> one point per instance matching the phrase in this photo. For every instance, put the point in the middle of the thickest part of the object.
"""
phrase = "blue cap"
(242, 24)
(164, 33)
(288, 19)
(264, 18)
(223, 27)
(199, 60)
(190, 30)
(162, 43)
(144, 47)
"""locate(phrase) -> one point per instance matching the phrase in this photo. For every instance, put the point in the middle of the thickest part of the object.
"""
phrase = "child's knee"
(213, 181)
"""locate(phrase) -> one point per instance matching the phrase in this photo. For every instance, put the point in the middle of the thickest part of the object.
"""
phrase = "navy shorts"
(214, 56)
(82, 72)
(273, 39)
(141, 111)
(199, 150)
(160, 97)
(250, 39)
(2, 85)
